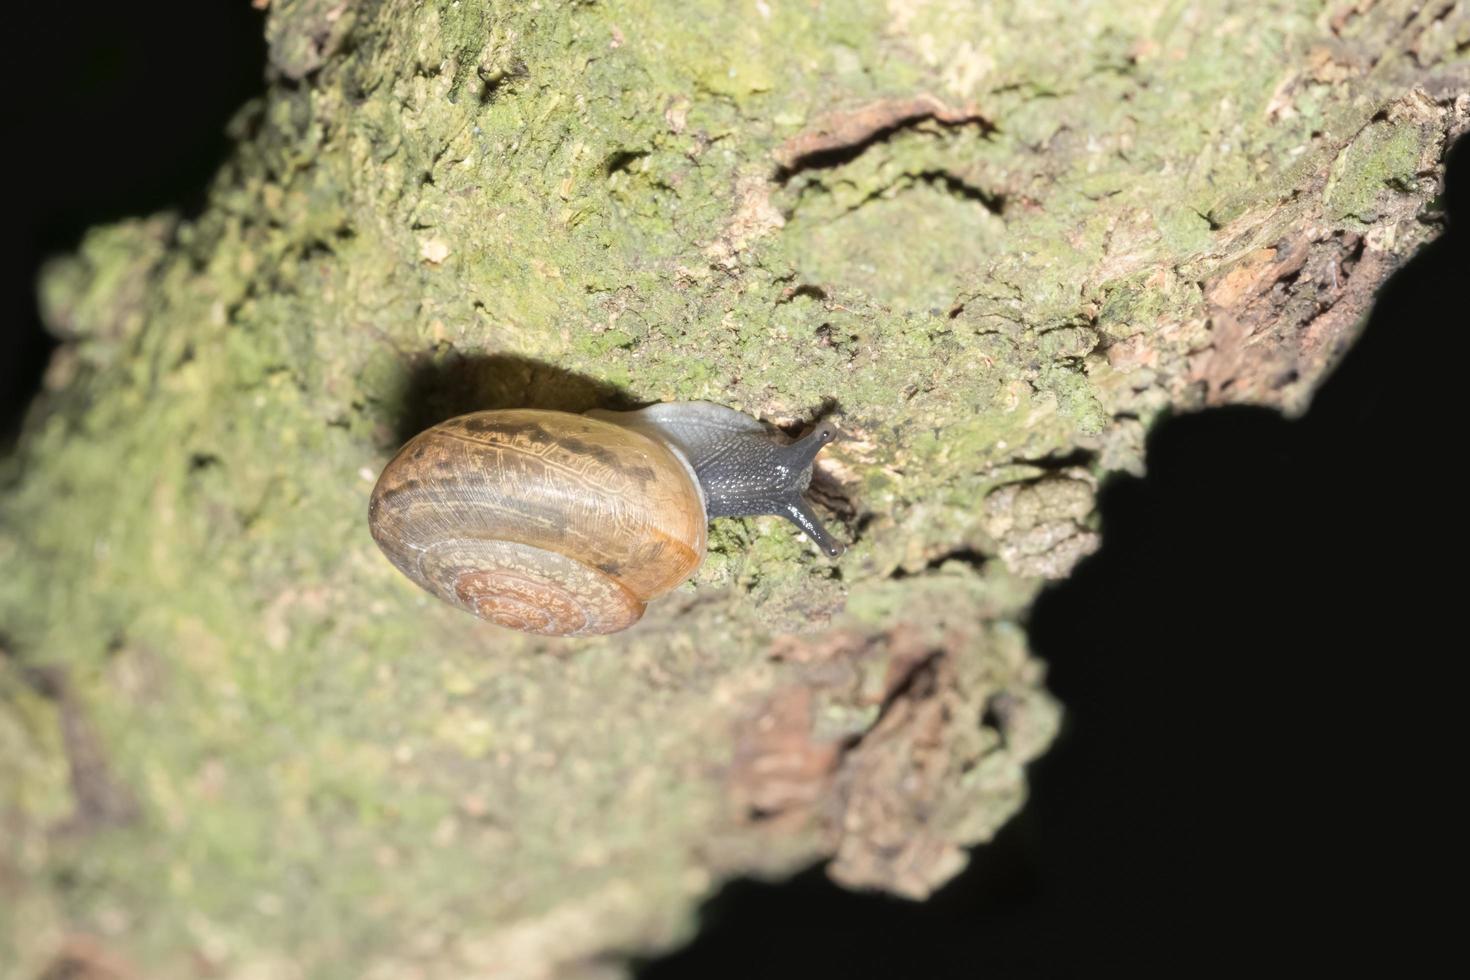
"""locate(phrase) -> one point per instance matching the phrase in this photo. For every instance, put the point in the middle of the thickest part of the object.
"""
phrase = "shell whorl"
(542, 521)
(528, 589)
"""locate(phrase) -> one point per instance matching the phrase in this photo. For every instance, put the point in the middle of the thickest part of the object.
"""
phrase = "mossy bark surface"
(993, 241)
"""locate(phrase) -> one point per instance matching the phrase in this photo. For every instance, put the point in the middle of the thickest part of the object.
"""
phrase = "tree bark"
(993, 241)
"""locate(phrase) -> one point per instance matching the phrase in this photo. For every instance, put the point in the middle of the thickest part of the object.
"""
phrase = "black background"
(1260, 758)
(113, 110)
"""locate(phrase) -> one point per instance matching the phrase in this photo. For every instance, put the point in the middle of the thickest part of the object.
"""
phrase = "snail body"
(567, 525)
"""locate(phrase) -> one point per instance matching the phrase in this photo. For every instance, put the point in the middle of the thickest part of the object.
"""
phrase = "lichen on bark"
(234, 741)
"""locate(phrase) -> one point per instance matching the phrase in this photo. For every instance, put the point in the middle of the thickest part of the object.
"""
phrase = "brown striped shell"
(541, 521)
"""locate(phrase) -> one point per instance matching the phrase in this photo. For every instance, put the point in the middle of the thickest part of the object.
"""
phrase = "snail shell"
(541, 521)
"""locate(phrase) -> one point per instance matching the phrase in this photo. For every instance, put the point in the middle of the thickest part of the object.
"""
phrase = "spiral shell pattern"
(528, 589)
(541, 521)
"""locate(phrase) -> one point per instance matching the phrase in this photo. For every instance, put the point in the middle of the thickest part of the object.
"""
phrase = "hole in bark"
(842, 137)
(994, 203)
(1208, 219)
(621, 160)
(1078, 457)
(966, 555)
(495, 79)
(804, 291)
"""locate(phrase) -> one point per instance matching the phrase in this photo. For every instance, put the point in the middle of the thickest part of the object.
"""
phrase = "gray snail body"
(567, 525)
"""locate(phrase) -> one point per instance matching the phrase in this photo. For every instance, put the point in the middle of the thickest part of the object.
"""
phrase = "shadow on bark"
(439, 387)
(1259, 723)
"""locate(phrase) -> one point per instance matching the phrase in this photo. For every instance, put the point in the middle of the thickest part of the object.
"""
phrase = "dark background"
(1259, 764)
(113, 110)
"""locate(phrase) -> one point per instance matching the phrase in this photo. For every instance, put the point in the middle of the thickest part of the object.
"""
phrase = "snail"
(567, 525)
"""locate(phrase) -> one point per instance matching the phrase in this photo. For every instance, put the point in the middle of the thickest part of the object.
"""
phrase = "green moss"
(480, 203)
(1129, 308)
(1383, 159)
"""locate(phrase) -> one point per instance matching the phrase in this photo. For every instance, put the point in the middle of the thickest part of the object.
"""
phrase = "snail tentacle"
(742, 469)
(798, 513)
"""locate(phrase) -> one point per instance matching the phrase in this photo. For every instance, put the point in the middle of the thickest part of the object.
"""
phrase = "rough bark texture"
(993, 240)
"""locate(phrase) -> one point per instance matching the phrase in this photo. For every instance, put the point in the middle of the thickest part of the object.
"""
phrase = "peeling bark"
(842, 135)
